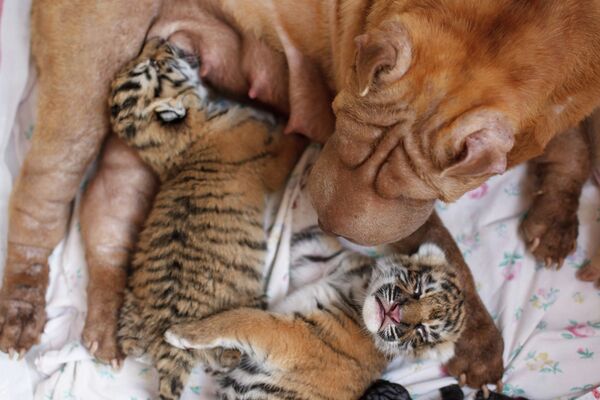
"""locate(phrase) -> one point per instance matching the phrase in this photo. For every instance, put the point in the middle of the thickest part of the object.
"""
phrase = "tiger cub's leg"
(551, 225)
(70, 126)
(132, 339)
(113, 209)
(250, 330)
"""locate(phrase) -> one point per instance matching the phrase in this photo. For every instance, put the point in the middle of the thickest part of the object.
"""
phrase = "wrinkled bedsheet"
(550, 321)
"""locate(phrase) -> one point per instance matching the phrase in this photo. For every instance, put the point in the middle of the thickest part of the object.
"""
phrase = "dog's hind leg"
(114, 207)
(78, 45)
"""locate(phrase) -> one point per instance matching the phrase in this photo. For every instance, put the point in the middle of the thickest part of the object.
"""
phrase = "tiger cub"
(202, 248)
(332, 337)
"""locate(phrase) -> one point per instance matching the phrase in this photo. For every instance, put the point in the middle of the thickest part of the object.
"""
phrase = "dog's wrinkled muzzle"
(348, 205)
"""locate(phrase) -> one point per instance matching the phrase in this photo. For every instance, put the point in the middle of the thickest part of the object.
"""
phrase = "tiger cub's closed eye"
(170, 115)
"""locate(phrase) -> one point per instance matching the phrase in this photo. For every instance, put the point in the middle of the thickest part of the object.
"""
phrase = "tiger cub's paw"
(215, 359)
(220, 360)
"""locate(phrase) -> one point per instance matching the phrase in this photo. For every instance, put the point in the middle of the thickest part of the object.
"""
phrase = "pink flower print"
(543, 299)
(511, 265)
(596, 393)
(479, 192)
(585, 354)
(468, 243)
(581, 330)
(512, 271)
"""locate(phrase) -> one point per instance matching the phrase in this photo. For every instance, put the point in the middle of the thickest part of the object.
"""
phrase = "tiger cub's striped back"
(202, 247)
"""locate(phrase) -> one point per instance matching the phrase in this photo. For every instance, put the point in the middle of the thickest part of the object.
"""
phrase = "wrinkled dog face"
(417, 120)
(414, 305)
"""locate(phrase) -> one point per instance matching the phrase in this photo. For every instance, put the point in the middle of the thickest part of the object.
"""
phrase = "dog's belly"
(239, 64)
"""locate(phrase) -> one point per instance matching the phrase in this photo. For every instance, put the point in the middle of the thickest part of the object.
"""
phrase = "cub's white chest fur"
(306, 299)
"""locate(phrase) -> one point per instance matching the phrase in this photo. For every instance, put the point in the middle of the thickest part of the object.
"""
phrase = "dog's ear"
(383, 53)
(480, 141)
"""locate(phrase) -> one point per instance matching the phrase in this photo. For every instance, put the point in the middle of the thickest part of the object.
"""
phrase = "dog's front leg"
(78, 46)
(478, 353)
(551, 226)
(114, 207)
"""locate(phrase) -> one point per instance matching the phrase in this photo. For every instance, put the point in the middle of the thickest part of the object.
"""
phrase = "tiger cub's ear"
(430, 253)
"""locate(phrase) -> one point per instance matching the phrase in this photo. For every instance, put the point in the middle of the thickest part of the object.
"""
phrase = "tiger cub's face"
(414, 305)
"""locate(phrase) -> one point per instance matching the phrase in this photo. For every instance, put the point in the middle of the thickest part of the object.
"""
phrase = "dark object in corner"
(452, 392)
(384, 390)
(496, 396)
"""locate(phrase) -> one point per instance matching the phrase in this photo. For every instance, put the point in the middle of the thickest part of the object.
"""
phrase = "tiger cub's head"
(160, 85)
(414, 305)
(159, 105)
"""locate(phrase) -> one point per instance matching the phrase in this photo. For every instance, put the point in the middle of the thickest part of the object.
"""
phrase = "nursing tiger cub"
(314, 345)
(202, 247)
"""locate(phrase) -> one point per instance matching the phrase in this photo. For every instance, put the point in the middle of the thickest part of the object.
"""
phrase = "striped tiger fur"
(317, 343)
(202, 248)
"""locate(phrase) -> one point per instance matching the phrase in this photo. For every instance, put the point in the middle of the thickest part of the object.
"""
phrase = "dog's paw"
(101, 324)
(477, 360)
(550, 230)
(101, 341)
(22, 318)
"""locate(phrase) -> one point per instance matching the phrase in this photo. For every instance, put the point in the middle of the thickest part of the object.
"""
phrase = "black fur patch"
(384, 390)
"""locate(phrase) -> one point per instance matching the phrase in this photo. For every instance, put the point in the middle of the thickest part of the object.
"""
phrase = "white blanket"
(550, 321)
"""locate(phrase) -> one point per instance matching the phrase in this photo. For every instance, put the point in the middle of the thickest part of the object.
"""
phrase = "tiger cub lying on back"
(314, 345)
(202, 247)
